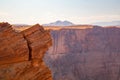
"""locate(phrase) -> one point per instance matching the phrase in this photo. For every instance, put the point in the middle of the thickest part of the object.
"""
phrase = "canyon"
(84, 53)
(21, 53)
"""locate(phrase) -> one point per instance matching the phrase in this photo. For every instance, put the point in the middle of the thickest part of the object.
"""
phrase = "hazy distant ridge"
(59, 23)
(112, 23)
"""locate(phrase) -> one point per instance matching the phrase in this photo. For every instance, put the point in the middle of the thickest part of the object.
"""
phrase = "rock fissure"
(29, 48)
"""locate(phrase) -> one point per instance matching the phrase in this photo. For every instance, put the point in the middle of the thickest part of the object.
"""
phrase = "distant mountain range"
(112, 23)
(68, 23)
(59, 23)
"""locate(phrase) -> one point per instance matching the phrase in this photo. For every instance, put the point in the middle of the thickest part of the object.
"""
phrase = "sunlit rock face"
(85, 54)
(13, 46)
(21, 54)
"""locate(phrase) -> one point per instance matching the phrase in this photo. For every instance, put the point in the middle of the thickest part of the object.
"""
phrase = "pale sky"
(46, 11)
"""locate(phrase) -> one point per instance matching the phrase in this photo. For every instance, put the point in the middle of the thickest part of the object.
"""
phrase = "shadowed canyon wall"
(21, 53)
(85, 54)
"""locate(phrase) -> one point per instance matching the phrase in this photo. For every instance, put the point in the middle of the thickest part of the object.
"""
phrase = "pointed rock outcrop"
(21, 54)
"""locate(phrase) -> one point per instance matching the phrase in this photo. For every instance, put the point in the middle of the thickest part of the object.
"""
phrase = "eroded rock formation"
(85, 54)
(21, 53)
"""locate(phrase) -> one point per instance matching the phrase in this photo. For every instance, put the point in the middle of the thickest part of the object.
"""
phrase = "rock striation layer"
(21, 53)
(85, 54)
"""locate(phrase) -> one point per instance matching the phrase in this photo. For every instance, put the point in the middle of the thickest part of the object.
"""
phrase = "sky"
(46, 11)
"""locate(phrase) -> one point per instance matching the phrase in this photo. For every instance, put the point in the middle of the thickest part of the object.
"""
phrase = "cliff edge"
(85, 53)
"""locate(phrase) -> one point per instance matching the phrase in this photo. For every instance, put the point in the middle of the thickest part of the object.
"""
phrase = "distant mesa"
(59, 23)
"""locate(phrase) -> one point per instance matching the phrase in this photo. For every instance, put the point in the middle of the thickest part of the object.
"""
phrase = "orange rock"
(37, 39)
(21, 53)
(13, 46)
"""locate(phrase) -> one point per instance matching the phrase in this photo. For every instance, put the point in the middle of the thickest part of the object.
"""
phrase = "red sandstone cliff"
(85, 54)
(21, 53)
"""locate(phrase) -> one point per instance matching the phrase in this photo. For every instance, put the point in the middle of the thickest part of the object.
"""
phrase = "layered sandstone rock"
(21, 53)
(85, 54)
(13, 46)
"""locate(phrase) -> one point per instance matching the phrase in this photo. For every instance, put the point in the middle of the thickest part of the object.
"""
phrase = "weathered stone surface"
(85, 54)
(21, 53)
(13, 47)
(38, 40)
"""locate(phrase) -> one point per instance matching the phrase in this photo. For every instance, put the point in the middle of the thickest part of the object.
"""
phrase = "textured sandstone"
(85, 54)
(21, 53)
(38, 40)
(13, 46)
